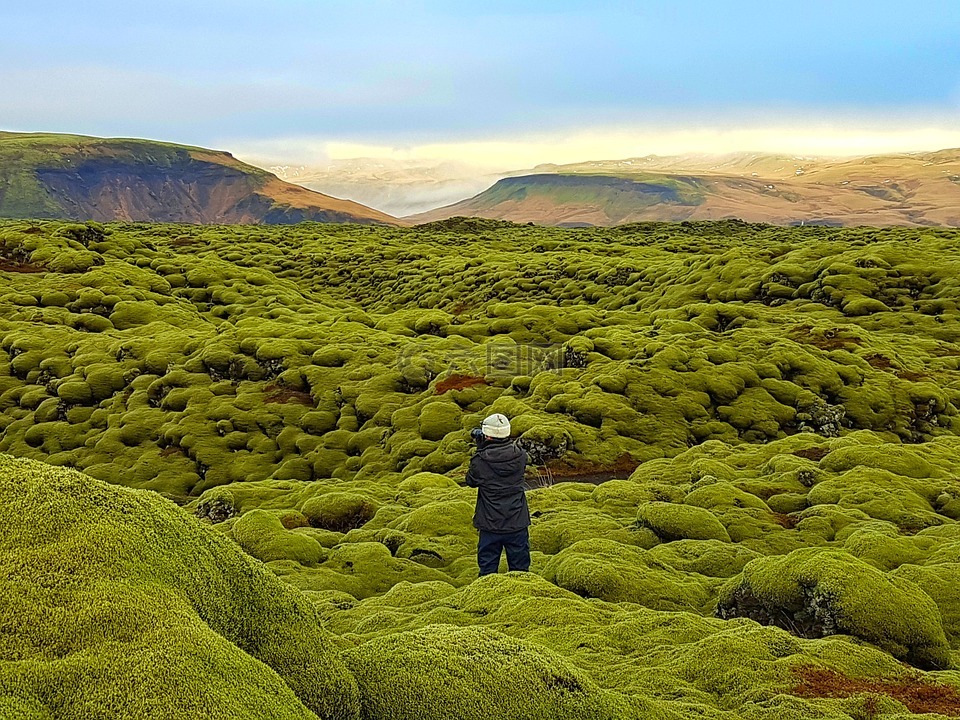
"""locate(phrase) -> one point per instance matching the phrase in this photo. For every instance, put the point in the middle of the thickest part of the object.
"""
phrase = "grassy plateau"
(69, 177)
(901, 189)
(232, 458)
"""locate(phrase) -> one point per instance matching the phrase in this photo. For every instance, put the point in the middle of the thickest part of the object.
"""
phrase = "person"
(502, 516)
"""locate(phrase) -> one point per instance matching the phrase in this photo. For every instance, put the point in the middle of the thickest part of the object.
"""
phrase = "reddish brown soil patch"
(459, 382)
(461, 307)
(785, 521)
(278, 394)
(812, 453)
(876, 360)
(920, 696)
(579, 470)
(184, 241)
(171, 450)
(912, 376)
(10, 266)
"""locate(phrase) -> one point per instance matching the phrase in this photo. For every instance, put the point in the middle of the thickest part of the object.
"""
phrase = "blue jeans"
(491, 545)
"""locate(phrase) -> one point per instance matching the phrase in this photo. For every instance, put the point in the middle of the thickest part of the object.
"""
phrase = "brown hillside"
(904, 189)
(83, 178)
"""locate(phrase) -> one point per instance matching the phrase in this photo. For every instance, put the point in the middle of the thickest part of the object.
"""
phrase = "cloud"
(840, 137)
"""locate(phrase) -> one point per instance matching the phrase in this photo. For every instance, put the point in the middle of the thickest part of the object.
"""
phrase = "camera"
(477, 436)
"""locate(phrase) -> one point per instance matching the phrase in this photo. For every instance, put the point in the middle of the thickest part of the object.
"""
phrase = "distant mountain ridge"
(87, 178)
(896, 189)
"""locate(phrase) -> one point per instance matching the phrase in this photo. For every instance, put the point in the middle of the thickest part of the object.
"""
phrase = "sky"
(495, 83)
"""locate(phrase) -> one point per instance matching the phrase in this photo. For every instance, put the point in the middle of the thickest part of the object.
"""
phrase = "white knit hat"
(496, 426)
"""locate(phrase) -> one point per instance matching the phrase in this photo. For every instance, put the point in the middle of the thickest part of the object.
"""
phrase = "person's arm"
(472, 479)
(524, 467)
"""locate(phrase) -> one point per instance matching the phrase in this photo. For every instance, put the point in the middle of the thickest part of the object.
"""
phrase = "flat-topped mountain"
(900, 189)
(103, 179)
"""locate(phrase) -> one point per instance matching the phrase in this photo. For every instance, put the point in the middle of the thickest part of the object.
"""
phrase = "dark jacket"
(496, 470)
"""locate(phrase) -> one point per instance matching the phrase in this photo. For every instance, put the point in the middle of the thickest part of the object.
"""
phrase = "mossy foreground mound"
(815, 593)
(115, 604)
(449, 673)
(517, 646)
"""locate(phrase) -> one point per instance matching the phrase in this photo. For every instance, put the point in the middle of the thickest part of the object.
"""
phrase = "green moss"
(620, 573)
(76, 392)
(465, 673)
(821, 592)
(704, 557)
(362, 569)
(339, 511)
(786, 503)
(897, 460)
(722, 495)
(410, 595)
(881, 495)
(125, 585)
(675, 522)
(33, 397)
(941, 581)
(265, 536)
(54, 298)
(437, 419)
(435, 535)
(216, 505)
(258, 369)
(425, 481)
(880, 545)
(562, 527)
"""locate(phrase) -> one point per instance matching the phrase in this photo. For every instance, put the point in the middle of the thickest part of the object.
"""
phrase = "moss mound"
(339, 511)
(620, 573)
(816, 593)
(116, 604)
(444, 672)
(263, 535)
(678, 522)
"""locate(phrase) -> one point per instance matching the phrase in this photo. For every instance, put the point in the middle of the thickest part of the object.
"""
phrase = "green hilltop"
(233, 456)
(77, 177)
(22, 155)
(903, 189)
(619, 195)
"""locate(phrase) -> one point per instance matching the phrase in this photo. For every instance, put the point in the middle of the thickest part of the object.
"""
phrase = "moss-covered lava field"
(745, 492)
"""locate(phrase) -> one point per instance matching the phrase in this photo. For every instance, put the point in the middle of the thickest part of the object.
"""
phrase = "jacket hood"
(503, 456)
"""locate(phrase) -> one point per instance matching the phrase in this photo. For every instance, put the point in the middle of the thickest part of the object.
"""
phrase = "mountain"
(398, 187)
(87, 178)
(896, 189)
